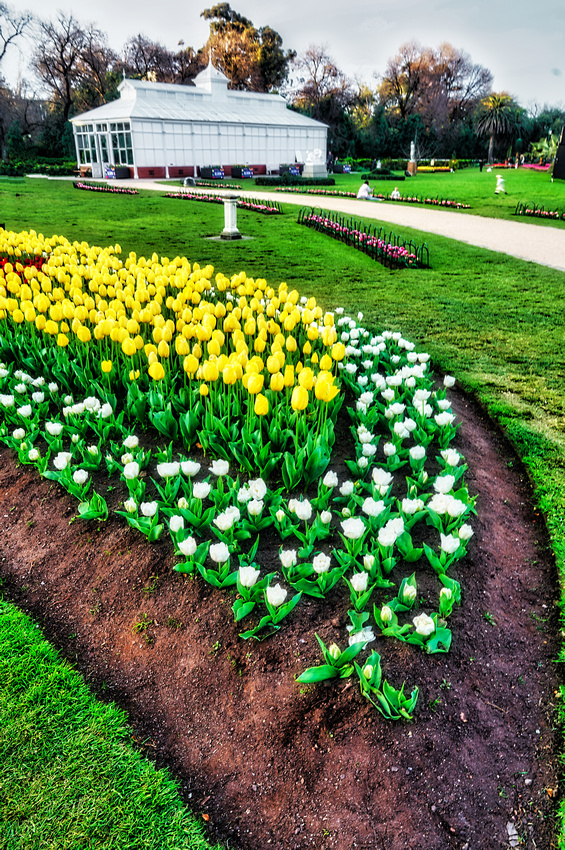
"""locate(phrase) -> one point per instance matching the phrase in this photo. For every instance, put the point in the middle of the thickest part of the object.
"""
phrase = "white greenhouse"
(169, 130)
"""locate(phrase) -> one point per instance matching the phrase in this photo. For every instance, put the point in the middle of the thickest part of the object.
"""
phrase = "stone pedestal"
(230, 230)
(314, 169)
(412, 167)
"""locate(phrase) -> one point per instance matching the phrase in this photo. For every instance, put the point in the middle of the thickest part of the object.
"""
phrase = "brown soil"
(270, 763)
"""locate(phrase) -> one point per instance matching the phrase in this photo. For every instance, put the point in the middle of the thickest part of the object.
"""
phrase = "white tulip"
(176, 522)
(190, 468)
(255, 506)
(288, 558)
(257, 489)
(321, 563)
(219, 552)
(187, 547)
(62, 460)
(201, 490)
(424, 625)
(248, 576)
(80, 477)
(131, 470)
(219, 467)
(353, 528)
(168, 470)
(359, 582)
(276, 595)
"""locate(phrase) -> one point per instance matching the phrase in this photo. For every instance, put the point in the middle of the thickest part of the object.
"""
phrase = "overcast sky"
(520, 42)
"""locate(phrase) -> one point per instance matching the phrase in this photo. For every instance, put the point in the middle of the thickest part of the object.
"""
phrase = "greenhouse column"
(230, 230)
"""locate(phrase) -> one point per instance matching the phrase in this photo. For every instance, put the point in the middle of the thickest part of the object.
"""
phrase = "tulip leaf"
(319, 674)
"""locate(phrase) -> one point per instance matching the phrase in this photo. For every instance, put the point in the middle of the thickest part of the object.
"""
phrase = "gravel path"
(532, 242)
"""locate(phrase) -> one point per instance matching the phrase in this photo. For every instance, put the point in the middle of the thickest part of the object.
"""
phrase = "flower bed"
(332, 193)
(244, 203)
(214, 185)
(96, 187)
(93, 347)
(387, 248)
(539, 212)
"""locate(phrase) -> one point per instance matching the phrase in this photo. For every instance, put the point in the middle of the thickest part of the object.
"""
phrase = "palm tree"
(497, 116)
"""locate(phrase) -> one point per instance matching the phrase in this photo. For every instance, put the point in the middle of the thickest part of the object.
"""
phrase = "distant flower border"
(112, 190)
(407, 199)
(244, 203)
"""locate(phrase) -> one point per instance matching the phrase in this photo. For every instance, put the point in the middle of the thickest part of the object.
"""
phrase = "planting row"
(387, 248)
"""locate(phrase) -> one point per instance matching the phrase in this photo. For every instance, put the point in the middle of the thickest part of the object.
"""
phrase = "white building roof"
(208, 100)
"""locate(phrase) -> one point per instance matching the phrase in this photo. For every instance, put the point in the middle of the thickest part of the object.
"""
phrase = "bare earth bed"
(271, 763)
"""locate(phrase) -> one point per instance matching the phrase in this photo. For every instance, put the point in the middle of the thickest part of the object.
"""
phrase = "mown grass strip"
(68, 774)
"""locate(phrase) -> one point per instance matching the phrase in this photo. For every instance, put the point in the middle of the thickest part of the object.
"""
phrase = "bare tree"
(149, 60)
(319, 80)
(12, 26)
(97, 68)
(57, 59)
(402, 81)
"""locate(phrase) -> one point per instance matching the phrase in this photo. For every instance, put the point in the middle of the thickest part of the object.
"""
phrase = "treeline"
(436, 97)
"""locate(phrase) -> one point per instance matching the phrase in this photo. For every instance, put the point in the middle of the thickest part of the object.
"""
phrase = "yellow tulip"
(277, 381)
(338, 351)
(291, 344)
(210, 370)
(18, 316)
(306, 378)
(181, 346)
(326, 362)
(129, 347)
(106, 366)
(255, 383)
(163, 349)
(83, 333)
(273, 364)
(190, 364)
(261, 406)
(299, 398)
(156, 371)
(133, 376)
(213, 348)
(229, 375)
(204, 390)
(289, 376)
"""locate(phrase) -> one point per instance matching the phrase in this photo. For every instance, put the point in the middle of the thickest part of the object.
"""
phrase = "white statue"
(412, 152)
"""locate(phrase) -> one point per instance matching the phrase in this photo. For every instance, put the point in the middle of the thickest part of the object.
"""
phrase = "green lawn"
(68, 775)
(494, 322)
